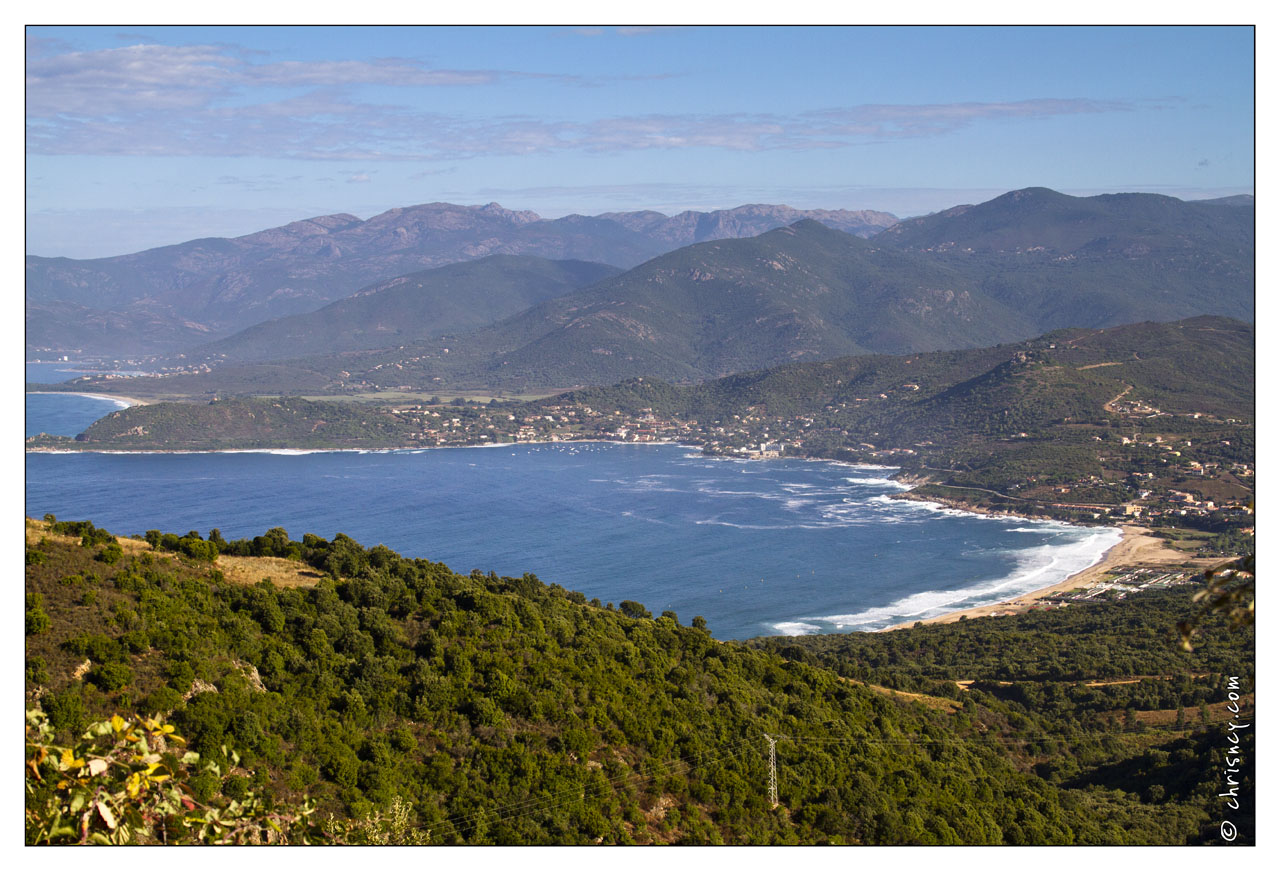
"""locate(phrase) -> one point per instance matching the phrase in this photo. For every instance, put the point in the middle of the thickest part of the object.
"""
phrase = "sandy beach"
(1138, 548)
(114, 397)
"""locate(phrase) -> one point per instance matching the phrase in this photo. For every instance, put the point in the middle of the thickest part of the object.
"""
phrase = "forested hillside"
(410, 308)
(1092, 406)
(507, 711)
(240, 424)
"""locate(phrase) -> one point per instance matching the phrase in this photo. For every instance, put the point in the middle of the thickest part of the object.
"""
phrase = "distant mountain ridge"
(688, 228)
(1016, 267)
(1095, 261)
(1043, 221)
(1032, 261)
(1245, 200)
(804, 292)
(211, 287)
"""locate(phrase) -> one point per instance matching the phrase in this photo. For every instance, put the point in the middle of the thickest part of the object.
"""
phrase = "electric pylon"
(773, 770)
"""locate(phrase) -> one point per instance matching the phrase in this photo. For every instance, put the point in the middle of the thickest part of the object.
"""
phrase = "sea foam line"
(115, 400)
(1037, 569)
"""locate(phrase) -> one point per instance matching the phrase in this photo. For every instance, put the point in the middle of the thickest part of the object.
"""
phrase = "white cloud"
(154, 100)
(148, 78)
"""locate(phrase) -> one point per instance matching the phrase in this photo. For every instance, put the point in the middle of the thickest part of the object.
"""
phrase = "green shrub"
(37, 670)
(36, 620)
(111, 676)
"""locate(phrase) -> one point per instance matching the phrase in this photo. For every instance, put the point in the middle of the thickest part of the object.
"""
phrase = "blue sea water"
(58, 372)
(66, 414)
(755, 547)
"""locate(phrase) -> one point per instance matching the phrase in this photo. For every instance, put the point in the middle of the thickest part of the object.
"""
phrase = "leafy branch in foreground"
(122, 783)
(1229, 591)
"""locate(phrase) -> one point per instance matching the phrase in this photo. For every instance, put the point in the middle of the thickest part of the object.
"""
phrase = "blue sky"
(139, 136)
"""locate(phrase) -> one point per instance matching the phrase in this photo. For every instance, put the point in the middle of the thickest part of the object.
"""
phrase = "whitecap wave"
(1037, 569)
(796, 628)
(880, 482)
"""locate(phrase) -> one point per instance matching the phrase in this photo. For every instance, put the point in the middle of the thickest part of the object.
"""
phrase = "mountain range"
(171, 298)
(1097, 261)
(1018, 266)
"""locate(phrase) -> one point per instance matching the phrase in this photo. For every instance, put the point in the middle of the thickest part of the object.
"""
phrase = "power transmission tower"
(773, 770)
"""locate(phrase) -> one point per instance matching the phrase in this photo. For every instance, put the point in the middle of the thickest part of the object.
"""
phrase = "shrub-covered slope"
(409, 308)
(504, 710)
(507, 711)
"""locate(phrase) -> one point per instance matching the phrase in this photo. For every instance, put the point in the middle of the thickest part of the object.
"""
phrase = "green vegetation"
(1088, 417)
(506, 711)
(124, 782)
(1107, 691)
(411, 308)
(232, 424)
(1149, 421)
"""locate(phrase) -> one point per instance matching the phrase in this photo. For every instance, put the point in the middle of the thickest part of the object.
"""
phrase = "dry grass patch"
(279, 571)
(1218, 713)
(38, 529)
(938, 703)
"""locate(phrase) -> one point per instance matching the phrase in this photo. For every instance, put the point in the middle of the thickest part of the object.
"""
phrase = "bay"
(755, 547)
(65, 414)
(40, 372)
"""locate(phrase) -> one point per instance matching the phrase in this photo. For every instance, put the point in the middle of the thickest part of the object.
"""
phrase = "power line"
(773, 770)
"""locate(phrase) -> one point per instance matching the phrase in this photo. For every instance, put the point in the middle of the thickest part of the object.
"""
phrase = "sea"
(756, 547)
(62, 413)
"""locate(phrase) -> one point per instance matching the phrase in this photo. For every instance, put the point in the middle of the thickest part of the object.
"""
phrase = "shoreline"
(1137, 547)
(301, 451)
(129, 401)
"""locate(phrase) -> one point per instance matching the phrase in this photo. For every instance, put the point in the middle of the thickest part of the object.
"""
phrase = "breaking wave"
(1037, 568)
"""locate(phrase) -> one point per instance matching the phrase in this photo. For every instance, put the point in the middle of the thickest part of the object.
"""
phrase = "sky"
(144, 136)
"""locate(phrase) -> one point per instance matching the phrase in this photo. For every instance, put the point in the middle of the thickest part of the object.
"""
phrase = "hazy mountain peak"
(1239, 200)
(298, 230)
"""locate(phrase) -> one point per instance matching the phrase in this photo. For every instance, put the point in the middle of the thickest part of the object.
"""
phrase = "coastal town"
(1189, 471)
(1174, 480)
